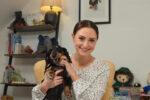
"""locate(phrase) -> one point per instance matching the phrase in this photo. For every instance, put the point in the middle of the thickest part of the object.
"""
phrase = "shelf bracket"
(5, 89)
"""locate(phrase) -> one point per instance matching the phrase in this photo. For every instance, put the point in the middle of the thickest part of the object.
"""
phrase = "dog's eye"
(57, 60)
(64, 58)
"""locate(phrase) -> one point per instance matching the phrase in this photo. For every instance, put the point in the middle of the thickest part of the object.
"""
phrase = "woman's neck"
(82, 60)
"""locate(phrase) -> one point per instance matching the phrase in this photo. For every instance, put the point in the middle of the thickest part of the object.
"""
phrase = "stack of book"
(127, 93)
(14, 43)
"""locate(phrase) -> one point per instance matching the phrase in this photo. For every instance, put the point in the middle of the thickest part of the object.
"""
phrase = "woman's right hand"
(51, 83)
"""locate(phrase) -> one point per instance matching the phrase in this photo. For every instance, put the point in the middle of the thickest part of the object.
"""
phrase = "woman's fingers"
(58, 82)
(57, 72)
(58, 78)
(51, 83)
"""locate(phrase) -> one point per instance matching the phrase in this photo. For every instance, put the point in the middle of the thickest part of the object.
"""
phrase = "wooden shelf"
(27, 55)
(30, 29)
(19, 84)
(34, 28)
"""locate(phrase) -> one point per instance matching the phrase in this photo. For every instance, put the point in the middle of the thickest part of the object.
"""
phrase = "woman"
(89, 74)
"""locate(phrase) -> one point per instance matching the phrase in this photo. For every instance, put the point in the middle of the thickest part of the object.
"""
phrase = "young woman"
(89, 74)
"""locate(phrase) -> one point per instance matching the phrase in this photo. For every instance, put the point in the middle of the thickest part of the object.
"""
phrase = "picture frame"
(99, 13)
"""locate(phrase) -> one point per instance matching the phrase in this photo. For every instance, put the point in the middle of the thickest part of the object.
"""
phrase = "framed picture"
(98, 11)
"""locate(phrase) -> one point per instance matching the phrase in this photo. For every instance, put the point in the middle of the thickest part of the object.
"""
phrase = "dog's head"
(54, 55)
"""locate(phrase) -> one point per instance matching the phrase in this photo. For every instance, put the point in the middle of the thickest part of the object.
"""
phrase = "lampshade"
(48, 5)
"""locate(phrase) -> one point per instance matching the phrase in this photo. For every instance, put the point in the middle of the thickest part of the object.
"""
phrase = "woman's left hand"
(69, 69)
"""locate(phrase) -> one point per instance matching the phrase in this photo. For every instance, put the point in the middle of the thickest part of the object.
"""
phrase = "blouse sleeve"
(91, 90)
(37, 94)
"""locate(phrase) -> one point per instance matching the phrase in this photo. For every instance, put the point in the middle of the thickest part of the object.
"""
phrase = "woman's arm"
(39, 91)
(37, 94)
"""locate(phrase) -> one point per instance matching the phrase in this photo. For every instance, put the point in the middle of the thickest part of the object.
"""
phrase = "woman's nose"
(85, 44)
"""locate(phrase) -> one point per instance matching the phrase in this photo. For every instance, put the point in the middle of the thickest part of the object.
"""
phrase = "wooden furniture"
(35, 28)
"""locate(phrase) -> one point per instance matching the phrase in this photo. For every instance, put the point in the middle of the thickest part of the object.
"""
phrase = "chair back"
(39, 68)
(106, 95)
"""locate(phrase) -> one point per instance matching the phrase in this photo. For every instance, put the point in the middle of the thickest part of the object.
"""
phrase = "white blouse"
(90, 86)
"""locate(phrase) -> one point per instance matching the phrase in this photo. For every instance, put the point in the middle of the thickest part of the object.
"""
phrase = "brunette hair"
(85, 23)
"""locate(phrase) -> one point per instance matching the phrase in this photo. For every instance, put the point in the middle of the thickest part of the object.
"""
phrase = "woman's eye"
(92, 40)
(81, 38)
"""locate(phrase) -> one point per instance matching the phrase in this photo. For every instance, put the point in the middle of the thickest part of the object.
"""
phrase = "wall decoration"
(98, 11)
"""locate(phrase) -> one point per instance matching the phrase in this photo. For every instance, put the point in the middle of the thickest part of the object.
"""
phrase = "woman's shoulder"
(101, 64)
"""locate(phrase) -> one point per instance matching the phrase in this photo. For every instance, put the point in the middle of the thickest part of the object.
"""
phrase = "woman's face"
(85, 40)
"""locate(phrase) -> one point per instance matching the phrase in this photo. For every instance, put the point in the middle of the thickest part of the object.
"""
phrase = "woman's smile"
(84, 49)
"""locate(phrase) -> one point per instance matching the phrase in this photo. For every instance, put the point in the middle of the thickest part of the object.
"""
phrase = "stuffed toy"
(41, 48)
(147, 88)
(123, 78)
(19, 21)
(44, 45)
(53, 58)
(8, 74)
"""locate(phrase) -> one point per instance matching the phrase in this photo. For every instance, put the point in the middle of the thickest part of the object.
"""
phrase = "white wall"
(125, 41)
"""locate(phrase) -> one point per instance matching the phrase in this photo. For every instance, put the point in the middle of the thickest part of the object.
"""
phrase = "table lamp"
(52, 9)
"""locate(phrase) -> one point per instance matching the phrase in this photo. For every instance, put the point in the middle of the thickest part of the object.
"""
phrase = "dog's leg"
(68, 92)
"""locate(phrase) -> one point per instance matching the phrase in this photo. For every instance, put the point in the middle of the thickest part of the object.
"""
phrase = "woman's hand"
(49, 83)
(69, 69)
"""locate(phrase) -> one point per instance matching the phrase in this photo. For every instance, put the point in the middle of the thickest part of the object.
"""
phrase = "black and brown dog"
(53, 59)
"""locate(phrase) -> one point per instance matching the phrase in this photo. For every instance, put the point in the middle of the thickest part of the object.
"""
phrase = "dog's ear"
(67, 54)
(47, 59)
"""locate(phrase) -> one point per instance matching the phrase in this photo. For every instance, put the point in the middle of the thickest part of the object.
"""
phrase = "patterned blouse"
(90, 86)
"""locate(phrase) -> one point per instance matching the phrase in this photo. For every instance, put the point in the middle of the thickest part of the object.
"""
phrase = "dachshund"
(53, 58)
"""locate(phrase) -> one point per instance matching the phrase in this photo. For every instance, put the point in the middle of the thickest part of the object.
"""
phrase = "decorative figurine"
(19, 21)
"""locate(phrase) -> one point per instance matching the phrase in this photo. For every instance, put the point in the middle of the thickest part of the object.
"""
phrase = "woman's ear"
(73, 37)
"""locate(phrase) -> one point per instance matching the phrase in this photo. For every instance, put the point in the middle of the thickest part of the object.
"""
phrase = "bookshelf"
(25, 30)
